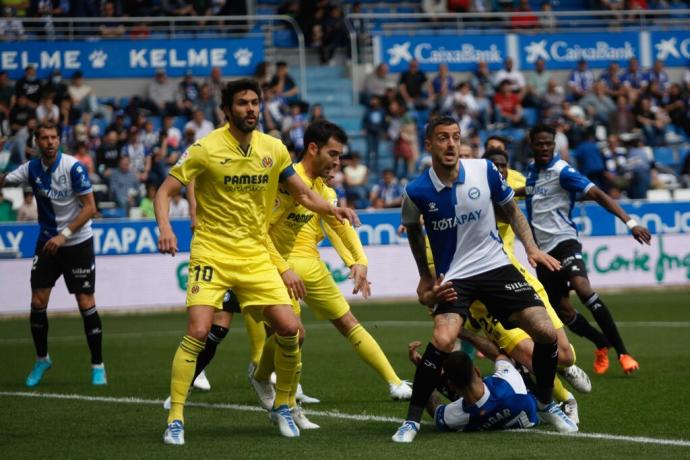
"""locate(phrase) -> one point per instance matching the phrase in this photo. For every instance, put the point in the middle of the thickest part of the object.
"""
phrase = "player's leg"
(45, 270)
(222, 320)
(78, 266)
(256, 332)
(38, 319)
(602, 316)
(447, 325)
(93, 329)
(287, 358)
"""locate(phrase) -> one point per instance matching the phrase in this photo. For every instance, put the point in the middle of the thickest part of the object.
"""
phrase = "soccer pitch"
(642, 416)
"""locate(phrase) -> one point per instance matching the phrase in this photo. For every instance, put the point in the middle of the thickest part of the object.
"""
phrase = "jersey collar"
(439, 185)
(481, 401)
(52, 167)
(553, 161)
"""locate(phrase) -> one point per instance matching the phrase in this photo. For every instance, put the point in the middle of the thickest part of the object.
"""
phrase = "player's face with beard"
(244, 112)
(444, 145)
(543, 146)
(48, 142)
(328, 158)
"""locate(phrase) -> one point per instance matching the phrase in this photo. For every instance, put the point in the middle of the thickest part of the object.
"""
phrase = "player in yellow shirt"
(295, 233)
(237, 171)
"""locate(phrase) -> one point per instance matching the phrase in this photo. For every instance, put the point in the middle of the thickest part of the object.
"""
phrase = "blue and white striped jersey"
(505, 405)
(460, 220)
(551, 191)
(56, 190)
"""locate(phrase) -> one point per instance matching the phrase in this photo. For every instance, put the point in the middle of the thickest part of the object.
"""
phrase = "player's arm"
(411, 218)
(167, 241)
(18, 177)
(346, 242)
(639, 232)
(315, 202)
(192, 162)
(87, 211)
(292, 281)
(191, 199)
(502, 195)
(482, 344)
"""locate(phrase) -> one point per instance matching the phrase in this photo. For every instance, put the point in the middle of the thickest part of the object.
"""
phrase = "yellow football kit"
(295, 234)
(235, 191)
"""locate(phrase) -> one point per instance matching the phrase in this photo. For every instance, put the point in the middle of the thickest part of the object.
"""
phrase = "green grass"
(138, 351)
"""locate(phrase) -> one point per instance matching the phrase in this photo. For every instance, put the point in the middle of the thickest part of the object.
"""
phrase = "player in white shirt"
(551, 189)
(66, 205)
(456, 199)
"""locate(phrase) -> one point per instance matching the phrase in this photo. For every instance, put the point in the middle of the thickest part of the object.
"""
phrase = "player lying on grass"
(456, 198)
(498, 402)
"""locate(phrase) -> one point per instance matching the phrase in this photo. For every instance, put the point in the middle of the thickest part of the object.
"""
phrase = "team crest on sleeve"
(267, 162)
(473, 193)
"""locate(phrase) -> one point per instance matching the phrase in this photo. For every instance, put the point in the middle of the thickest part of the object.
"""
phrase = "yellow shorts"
(323, 298)
(255, 282)
(507, 339)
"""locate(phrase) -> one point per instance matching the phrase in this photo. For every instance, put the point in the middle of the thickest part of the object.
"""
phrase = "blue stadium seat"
(530, 116)
(156, 122)
(179, 123)
(665, 156)
(284, 38)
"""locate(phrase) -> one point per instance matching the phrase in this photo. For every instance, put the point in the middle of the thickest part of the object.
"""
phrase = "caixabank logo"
(671, 47)
(563, 51)
(460, 53)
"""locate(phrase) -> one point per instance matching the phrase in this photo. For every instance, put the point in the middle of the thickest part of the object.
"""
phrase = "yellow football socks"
(371, 353)
(267, 361)
(287, 358)
(293, 389)
(184, 364)
(560, 393)
(256, 332)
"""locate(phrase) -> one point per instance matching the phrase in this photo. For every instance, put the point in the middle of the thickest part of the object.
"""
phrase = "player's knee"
(39, 300)
(199, 331)
(288, 327)
(85, 301)
(443, 341)
(542, 331)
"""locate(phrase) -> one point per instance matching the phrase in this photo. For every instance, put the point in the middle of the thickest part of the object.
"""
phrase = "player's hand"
(440, 293)
(412, 352)
(192, 222)
(294, 284)
(426, 283)
(538, 257)
(347, 214)
(52, 245)
(401, 230)
(358, 274)
(641, 234)
(167, 242)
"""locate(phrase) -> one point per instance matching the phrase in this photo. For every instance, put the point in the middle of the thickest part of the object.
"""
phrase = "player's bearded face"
(328, 158)
(445, 145)
(244, 112)
(48, 142)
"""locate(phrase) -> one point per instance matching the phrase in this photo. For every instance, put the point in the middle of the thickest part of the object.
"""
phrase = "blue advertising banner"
(121, 236)
(563, 51)
(671, 47)
(132, 58)
(460, 52)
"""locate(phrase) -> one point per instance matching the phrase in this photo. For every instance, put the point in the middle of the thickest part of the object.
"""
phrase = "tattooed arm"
(522, 230)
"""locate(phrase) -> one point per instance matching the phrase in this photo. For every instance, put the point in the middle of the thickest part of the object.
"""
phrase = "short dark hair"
(439, 121)
(281, 64)
(495, 137)
(459, 369)
(46, 125)
(236, 86)
(541, 128)
(319, 133)
(494, 151)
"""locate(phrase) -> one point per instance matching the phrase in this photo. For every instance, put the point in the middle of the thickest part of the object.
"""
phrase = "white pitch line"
(333, 414)
(322, 325)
